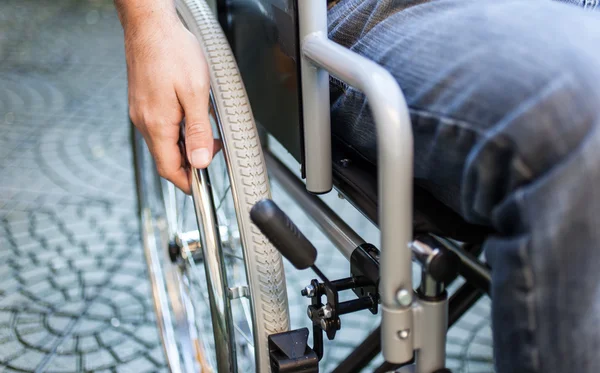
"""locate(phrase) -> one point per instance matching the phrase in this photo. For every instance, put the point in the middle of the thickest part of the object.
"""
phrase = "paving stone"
(67, 347)
(146, 333)
(100, 310)
(42, 287)
(157, 354)
(87, 343)
(25, 317)
(457, 333)
(6, 271)
(62, 364)
(5, 333)
(98, 359)
(34, 274)
(138, 365)
(7, 285)
(94, 278)
(27, 361)
(65, 279)
(455, 365)
(73, 307)
(454, 350)
(20, 301)
(73, 294)
(127, 350)
(87, 326)
(37, 338)
(10, 349)
(476, 366)
(110, 337)
(480, 351)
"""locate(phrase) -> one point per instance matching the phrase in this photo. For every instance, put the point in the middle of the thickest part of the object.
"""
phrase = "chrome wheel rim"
(200, 293)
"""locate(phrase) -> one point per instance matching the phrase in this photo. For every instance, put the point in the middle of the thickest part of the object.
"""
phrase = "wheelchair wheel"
(218, 285)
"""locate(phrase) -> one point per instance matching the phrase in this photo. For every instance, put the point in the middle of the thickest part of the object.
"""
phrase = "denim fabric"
(505, 104)
(588, 4)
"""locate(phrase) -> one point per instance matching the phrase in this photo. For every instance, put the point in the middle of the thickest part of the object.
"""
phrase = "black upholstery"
(356, 177)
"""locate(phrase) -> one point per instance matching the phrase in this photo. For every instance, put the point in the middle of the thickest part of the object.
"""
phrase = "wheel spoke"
(248, 339)
(247, 313)
(182, 216)
(232, 255)
(223, 197)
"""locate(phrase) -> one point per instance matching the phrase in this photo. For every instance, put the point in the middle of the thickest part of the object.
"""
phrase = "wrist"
(142, 16)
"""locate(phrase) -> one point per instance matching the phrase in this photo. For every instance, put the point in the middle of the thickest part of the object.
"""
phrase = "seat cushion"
(355, 175)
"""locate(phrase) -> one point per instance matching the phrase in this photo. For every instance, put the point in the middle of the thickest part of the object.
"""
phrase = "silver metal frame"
(218, 290)
(334, 228)
(315, 100)
(430, 318)
(403, 327)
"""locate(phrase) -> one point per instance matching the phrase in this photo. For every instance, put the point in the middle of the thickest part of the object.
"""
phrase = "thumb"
(199, 141)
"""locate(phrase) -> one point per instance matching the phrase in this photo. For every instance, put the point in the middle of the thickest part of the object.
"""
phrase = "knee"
(535, 135)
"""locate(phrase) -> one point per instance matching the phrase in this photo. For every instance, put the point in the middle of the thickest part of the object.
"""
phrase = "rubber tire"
(248, 176)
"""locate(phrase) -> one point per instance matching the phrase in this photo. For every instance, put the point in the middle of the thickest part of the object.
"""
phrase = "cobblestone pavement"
(74, 295)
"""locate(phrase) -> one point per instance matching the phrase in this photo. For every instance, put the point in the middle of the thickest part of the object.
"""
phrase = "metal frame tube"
(315, 102)
(342, 236)
(431, 323)
(395, 162)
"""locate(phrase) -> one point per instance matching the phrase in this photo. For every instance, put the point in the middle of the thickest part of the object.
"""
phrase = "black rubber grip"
(283, 234)
(444, 266)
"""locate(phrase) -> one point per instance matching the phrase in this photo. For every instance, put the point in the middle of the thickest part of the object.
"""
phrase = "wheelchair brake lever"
(284, 235)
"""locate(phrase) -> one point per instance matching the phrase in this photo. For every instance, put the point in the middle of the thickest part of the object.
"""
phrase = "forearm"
(138, 13)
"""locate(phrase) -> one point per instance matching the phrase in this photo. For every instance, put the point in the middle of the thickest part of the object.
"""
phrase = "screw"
(323, 324)
(308, 291)
(404, 297)
(327, 311)
(403, 334)
(345, 162)
(309, 312)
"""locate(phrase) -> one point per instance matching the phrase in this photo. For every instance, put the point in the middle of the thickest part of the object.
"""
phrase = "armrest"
(395, 162)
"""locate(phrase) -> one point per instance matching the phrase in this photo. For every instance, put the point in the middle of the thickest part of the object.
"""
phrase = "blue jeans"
(505, 104)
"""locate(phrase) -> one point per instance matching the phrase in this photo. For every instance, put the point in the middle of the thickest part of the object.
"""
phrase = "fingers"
(171, 168)
(167, 156)
(199, 141)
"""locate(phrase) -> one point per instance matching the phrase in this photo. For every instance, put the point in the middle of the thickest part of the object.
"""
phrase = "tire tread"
(264, 264)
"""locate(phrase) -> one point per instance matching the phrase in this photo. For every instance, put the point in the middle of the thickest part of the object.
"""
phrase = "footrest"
(290, 353)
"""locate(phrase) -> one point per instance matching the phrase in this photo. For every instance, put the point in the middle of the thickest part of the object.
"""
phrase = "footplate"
(290, 353)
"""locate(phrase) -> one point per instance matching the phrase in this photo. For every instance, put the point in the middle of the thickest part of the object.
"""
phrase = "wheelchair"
(230, 232)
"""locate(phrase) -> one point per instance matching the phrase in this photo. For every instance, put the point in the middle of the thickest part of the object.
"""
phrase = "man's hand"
(168, 79)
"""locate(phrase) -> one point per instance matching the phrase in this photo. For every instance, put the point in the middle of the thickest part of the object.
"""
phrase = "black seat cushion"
(356, 177)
